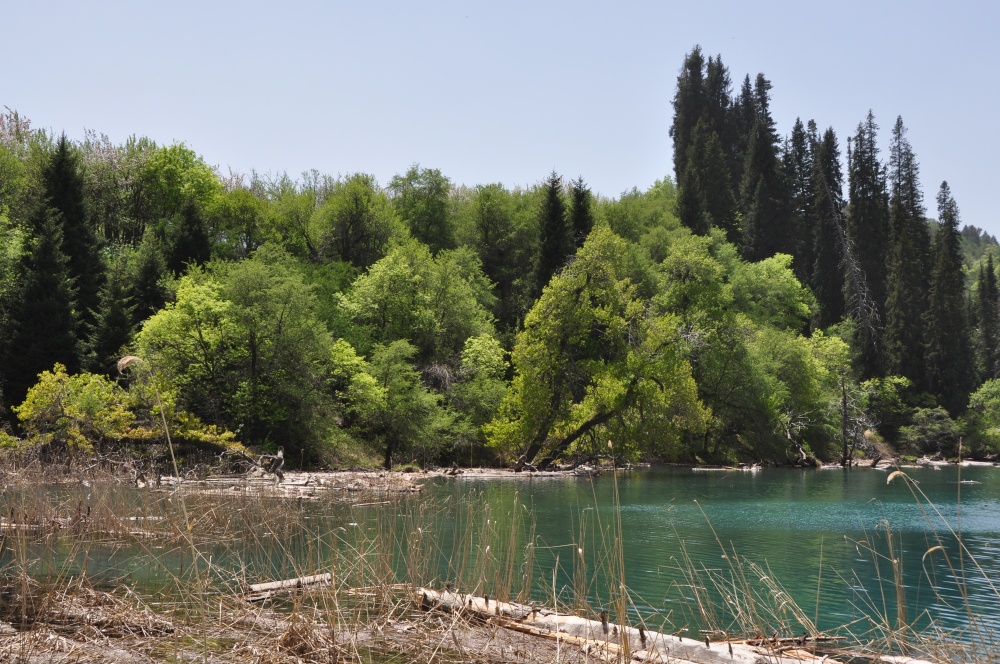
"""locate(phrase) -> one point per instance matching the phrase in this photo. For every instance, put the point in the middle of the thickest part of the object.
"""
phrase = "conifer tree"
(743, 114)
(46, 323)
(798, 158)
(764, 197)
(581, 212)
(987, 301)
(112, 328)
(949, 357)
(907, 284)
(188, 240)
(64, 191)
(868, 238)
(689, 106)
(827, 278)
(148, 268)
(556, 242)
(705, 198)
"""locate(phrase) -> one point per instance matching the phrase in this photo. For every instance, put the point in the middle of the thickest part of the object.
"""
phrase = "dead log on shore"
(258, 592)
(619, 642)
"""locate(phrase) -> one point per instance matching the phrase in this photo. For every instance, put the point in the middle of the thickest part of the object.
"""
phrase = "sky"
(501, 91)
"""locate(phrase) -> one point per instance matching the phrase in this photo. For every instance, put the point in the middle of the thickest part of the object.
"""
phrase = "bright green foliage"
(244, 349)
(75, 412)
(173, 175)
(290, 215)
(237, 223)
(887, 402)
(480, 388)
(769, 293)
(932, 432)
(636, 215)
(412, 421)
(984, 416)
(88, 412)
(949, 360)
(499, 226)
(435, 303)
(356, 222)
(421, 199)
(591, 351)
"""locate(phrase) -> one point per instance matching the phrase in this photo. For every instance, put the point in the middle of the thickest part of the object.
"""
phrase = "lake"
(830, 534)
(741, 551)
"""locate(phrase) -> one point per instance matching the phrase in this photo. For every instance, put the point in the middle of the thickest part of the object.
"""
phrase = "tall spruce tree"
(64, 191)
(689, 106)
(827, 278)
(188, 241)
(949, 361)
(764, 197)
(987, 301)
(46, 322)
(705, 198)
(556, 241)
(798, 158)
(907, 281)
(868, 238)
(581, 211)
(742, 116)
(113, 326)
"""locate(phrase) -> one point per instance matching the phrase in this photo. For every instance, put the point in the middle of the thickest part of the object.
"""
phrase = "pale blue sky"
(504, 92)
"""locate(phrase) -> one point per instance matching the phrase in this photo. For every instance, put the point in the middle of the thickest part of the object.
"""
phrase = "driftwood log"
(622, 643)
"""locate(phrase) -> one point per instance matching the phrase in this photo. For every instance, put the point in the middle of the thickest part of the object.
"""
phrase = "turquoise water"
(822, 533)
(827, 538)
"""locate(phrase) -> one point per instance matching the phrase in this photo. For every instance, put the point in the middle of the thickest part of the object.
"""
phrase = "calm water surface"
(830, 534)
(826, 532)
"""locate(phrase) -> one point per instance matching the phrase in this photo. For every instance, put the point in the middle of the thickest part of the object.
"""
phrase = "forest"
(779, 299)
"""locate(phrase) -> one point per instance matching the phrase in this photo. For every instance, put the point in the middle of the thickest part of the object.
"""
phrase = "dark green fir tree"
(689, 107)
(555, 238)
(987, 301)
(767, 227)
(45, 323)
(797, 159)
(907, 280)
(827, 278)
(868, 237)
(64, 192)
(705, 197)
(949, 362)
(147, 271)
(113, 325)
(188, 239)
(581, 212)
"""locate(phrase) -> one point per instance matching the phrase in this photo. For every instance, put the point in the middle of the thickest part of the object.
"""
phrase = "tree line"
(749, 312)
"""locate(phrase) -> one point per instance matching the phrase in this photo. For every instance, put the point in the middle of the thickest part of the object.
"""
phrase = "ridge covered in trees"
(754, 311)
